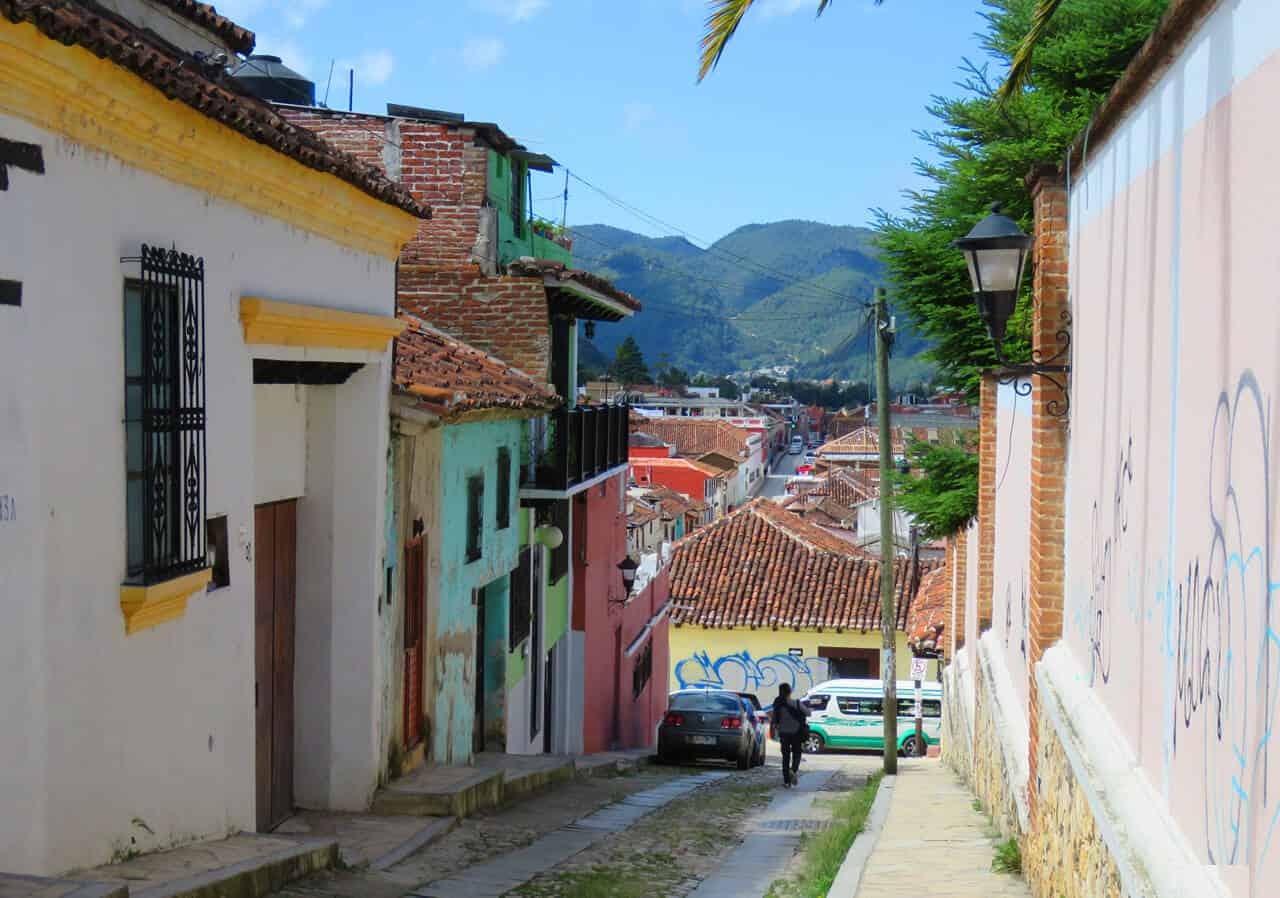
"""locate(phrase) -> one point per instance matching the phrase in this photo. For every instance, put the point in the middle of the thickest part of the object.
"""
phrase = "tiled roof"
(239, 39)
(763, 566)
(560, 272)
(641, 514)
(185, 79)
(685, 463)
(847, 486)
(448, 377)
(673, 501)
(645, 440)
(692, 436)
(866, 439)
(928, 619)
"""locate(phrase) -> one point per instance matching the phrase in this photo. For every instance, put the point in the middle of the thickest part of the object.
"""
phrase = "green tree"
(943, 499)
(987, 149)
(726, 16)
(728, 389)
(628, 363)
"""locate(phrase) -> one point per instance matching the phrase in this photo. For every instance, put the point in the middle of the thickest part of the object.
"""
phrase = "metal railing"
(577, 445)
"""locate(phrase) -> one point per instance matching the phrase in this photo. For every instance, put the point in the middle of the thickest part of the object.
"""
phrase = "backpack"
(792, 706)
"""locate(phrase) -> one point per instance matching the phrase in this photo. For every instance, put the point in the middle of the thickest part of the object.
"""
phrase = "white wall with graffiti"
(1011, 555)
(758, 661)
(1171, 616)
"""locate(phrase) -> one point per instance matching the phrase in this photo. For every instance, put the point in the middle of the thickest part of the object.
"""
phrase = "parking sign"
(919, 668)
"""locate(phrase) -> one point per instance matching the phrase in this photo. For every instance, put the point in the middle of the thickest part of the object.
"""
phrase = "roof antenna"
(328, 83)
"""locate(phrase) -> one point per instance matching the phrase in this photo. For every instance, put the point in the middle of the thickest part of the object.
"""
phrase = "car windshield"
(752, 702)
(706, 701)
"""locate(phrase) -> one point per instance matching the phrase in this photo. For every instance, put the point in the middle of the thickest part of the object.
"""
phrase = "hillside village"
(350, 546)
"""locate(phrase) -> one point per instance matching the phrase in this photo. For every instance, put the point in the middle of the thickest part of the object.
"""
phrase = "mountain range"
(785, 293)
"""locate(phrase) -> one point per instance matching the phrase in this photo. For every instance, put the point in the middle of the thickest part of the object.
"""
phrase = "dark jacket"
(788, 716)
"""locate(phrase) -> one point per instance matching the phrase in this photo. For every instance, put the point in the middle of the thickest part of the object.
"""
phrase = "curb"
(855, 862)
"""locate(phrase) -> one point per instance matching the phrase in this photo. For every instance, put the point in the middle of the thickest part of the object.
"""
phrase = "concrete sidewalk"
(933, 842)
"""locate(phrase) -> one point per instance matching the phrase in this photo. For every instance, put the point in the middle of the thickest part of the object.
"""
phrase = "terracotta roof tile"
(559, 271)
(183, 78)
(239, 39)
(929, 615)
(692, 436)
(448, 377)
(763, 566)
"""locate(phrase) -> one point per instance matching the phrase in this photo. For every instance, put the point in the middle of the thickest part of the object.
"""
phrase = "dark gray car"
(707, 723)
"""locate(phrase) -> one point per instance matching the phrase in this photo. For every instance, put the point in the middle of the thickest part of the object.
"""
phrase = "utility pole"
(888, 659)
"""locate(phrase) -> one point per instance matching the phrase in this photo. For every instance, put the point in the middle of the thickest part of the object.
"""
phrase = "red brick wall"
(986, 502)
(504, 316)
(1048, 443)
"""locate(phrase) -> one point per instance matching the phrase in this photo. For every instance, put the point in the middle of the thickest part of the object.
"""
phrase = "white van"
(850, 714)
(797, 445)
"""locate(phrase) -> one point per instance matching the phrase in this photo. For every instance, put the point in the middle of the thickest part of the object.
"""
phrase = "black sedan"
(707, 723)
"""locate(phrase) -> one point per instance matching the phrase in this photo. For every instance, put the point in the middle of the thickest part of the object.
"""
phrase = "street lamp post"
(996, 253)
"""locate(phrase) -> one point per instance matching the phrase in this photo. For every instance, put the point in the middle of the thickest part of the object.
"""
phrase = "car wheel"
(911, 747)
(764, 752)
(744, 760)
(813, 744)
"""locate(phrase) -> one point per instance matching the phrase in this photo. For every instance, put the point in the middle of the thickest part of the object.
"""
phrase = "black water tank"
(267, 78)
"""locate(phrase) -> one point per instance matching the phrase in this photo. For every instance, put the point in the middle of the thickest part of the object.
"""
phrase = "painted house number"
(8, 509)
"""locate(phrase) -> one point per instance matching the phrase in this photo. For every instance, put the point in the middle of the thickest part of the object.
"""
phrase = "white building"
(194, 369)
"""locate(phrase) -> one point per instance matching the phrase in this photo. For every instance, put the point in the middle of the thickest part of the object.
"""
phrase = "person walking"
(790, 725)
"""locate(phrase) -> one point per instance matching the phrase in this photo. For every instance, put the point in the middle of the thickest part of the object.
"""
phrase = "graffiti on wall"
(740, 672)
(1010, 618)
(1109, 527)
(1222, 638)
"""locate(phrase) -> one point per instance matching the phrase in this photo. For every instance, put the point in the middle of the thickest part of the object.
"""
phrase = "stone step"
(13, 885)
(245, 865)
(441, 792)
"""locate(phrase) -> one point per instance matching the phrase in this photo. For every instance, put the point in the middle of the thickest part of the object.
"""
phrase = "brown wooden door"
(275, 566)
(414, 555)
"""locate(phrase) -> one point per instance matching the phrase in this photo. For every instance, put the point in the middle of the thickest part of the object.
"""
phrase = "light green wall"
(466, 450)
(513, 245)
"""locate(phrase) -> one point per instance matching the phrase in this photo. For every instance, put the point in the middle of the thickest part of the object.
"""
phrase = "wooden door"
(275, 567)
(414, 607)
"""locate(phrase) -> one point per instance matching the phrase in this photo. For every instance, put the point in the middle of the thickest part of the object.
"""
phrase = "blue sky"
(804, 118)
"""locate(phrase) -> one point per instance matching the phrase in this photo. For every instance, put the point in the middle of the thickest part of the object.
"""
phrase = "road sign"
(919, 668)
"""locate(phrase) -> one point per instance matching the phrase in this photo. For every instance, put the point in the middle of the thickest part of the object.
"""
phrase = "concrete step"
(441, 792)
(14, 886)
(378, 842)
(245, 865)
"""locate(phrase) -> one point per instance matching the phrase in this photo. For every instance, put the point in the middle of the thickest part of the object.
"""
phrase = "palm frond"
(1020, 69)
(725, 17)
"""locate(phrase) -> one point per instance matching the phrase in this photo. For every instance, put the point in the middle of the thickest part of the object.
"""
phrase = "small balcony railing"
(578, 445)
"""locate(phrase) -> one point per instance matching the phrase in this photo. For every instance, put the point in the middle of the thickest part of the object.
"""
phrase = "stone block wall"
(957, 721)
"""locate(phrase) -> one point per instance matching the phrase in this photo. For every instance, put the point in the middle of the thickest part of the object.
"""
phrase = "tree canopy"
(944, 499)
(628, 363)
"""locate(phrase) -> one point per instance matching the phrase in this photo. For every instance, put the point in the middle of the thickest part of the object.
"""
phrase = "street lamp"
(996, 253)
(628, 567)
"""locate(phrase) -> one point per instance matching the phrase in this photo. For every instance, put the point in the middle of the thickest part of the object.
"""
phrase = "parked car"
(850, 714)
(709, 723)
(797, 446)
(760, 719)
(811, 456)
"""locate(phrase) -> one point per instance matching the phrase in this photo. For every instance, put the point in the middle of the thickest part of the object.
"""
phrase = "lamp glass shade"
(628, 567)
(550, 536)
(995, 270)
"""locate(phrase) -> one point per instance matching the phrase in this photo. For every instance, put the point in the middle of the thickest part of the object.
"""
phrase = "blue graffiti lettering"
(742, 673)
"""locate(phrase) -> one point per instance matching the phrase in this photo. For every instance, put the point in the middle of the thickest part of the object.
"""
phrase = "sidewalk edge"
(849, 878)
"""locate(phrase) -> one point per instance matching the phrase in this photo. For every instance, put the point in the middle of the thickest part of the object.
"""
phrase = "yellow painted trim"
(150, 606)
(71, 92)
(291, 324)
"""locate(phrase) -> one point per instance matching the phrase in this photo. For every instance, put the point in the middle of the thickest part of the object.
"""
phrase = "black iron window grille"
(643, 670)
(504, 488)
(475, 517)
(165, 416)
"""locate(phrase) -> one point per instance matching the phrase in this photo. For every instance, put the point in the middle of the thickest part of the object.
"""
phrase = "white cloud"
(771, 8)
(481, 53)
(513, 10)
(299, 11)
(373, 67)
(636, 115)
(289, 51)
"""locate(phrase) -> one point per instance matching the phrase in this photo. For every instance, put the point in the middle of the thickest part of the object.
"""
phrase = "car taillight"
(673, 720)
(731, 723)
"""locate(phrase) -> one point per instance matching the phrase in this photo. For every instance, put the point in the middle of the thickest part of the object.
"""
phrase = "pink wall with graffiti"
(1012, 525)
(1171, 501)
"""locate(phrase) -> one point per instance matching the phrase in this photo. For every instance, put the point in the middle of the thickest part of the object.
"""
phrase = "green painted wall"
(466, 450)
(556, 621)
(497, 601)
(512, 242)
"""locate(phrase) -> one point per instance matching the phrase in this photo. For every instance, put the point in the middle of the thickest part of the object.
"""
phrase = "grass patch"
(598, 883)
(825, 851)
(977, 806)
(1008, 857)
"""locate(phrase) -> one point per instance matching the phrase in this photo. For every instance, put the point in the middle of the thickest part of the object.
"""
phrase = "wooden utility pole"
(888, 659)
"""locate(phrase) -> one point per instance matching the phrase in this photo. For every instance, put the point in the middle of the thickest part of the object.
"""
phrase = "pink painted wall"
(613, 716)
(1013, 522)
(1173, 543)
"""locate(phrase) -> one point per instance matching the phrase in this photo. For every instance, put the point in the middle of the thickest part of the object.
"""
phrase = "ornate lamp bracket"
(1055, 368)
